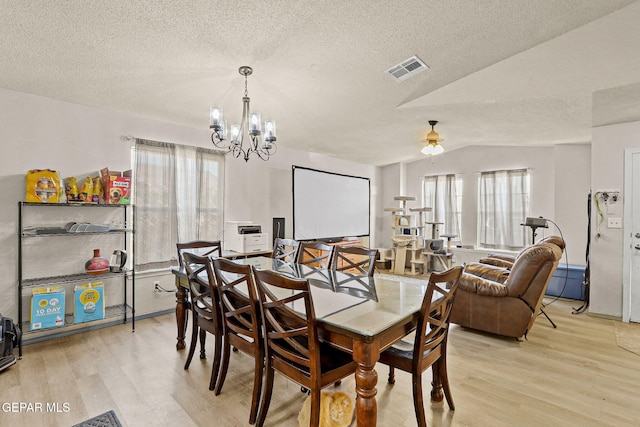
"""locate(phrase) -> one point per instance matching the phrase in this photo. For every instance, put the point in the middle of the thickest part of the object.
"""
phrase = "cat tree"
(410, 244)
(408, 235)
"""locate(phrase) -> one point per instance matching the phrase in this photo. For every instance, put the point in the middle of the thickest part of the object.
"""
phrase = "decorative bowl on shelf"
(96, 265)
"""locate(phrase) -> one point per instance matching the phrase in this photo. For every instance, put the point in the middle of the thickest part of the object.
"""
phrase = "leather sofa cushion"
(478, 285)
(491, 272)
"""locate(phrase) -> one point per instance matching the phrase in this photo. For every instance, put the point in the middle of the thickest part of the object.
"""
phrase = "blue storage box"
(574, 276)
(47, 307)
(89, 302)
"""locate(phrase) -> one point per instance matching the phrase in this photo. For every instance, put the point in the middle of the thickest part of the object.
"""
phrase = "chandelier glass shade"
(432, 146)
(261, 136)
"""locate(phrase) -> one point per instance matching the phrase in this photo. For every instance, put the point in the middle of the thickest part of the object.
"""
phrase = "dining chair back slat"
(315, 254)
(199, 247)
(355, 260)
(285, 250)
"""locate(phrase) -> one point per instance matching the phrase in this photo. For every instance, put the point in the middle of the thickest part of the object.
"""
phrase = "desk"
(182, 302)
(365, 321)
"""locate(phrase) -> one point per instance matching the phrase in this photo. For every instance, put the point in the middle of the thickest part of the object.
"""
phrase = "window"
(503, 204)
(178, 197)
(443, 193)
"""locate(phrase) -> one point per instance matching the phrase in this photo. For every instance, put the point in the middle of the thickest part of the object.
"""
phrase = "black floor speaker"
(278, 228)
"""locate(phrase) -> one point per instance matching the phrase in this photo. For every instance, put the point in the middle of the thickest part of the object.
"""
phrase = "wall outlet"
(156, 286)
(614, 222)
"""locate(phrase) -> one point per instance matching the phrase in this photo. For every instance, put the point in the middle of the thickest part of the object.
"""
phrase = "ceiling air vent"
(407, 68)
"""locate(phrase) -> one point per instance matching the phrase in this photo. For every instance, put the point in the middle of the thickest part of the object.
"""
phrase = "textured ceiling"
(502, 72)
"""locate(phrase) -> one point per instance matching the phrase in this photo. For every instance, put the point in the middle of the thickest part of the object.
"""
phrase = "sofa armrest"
(486, 271)
(478, 285)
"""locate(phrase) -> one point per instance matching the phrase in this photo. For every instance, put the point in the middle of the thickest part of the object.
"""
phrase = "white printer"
(244, 236)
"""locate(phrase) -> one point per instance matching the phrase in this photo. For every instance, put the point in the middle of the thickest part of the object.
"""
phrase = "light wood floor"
(573, 375)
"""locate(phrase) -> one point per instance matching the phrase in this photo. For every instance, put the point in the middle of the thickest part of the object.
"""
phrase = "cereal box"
(47, 307)
(89, 302)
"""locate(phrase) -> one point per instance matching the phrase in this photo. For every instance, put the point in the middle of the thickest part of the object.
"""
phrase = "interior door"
(631, 291)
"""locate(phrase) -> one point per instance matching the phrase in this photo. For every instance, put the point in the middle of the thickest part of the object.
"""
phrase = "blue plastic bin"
(574, 276)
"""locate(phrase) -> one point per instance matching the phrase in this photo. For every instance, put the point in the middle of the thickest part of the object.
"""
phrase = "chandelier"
(432, 147)
(250, 125)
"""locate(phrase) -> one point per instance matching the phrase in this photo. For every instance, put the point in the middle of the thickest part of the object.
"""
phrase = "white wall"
(391, 186)
(74, 139)
(570, 191)
(559, 186)
(39, 133)
(607, 173)
(258, 191)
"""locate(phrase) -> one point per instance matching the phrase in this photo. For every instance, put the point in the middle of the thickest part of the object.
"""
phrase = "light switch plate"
(614, 223)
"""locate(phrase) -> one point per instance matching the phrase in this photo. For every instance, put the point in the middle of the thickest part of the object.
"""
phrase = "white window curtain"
(178, 195)
(503, 204)
(443, 194)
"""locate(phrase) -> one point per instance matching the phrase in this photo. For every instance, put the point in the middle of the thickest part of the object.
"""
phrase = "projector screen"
(329, 206)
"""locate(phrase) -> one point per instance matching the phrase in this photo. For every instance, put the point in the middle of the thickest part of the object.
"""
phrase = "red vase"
(96, 265)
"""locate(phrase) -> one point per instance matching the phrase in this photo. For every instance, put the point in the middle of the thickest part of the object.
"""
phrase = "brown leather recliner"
(506, 261)
(507, 304)
(497, 267)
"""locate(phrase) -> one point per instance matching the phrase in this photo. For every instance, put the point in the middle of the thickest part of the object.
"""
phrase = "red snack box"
(116, 186)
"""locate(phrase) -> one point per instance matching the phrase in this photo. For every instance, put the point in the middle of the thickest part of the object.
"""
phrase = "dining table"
(359, 314)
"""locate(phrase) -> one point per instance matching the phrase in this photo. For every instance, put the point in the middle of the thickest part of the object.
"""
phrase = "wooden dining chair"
(241, 322)
(199, 247)
(315, 254)
(355, 260)
(354, 285)
(429, 347)
(285, 250)
(292, 344)
(205, 308)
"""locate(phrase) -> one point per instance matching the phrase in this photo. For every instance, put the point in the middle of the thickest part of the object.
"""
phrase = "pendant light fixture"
(432, 145)
(251, 126)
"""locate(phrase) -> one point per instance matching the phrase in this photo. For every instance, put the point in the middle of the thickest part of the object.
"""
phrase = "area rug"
(628, 336)
(108, 419)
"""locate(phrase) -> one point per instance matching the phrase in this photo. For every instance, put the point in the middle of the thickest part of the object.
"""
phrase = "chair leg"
(203, 340)
(194, 341)
(215, 369)
(223, 368)
(418, 402)
(257, 386)
(314, 419)
(392, 375)
(444, 378)
(266, 395)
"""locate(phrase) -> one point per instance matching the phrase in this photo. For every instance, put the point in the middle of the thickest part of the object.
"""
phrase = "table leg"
(181, 310)
(436, 383)
(366, 354)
